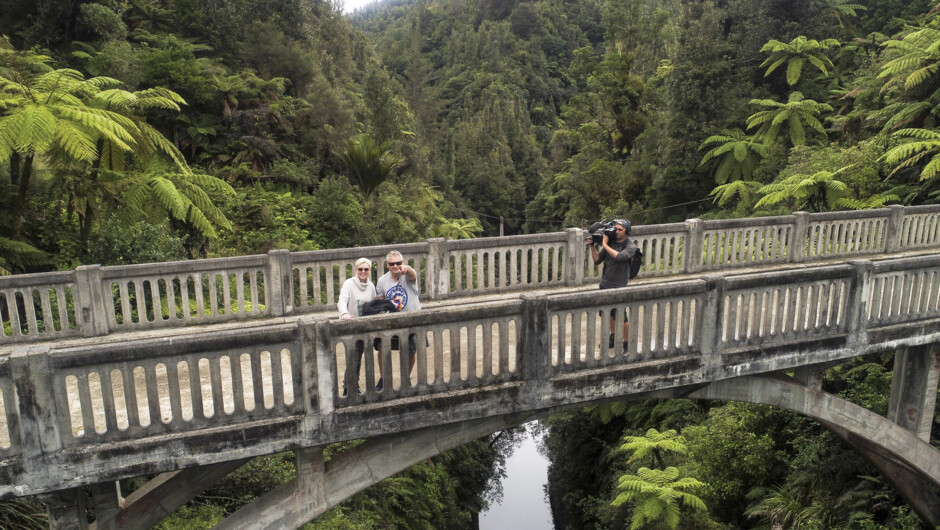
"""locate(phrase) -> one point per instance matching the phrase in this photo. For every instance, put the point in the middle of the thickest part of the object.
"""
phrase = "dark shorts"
(412, 343)
(613, 312)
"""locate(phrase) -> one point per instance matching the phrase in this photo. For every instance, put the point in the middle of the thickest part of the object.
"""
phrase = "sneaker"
(378, 386)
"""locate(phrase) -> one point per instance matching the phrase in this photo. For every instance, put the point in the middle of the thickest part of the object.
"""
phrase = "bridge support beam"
(318, 486)
(909, 463)
(66, 509)
(914, 389)
(161, 496)
(108, 502)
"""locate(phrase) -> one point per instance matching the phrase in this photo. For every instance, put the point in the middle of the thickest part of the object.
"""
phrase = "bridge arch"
(906, 461)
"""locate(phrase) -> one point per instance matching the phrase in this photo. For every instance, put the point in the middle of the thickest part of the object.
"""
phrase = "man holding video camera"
(616, 256)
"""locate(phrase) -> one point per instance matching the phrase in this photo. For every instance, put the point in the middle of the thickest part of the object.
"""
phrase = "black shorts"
(613, 312)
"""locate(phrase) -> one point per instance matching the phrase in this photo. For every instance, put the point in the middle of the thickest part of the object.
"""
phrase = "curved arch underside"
(910, 463)
(860, 422)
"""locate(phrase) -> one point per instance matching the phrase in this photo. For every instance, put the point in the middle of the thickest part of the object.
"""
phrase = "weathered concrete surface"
(324, 486)
(161, 496)
(913, 389)
(552, 354)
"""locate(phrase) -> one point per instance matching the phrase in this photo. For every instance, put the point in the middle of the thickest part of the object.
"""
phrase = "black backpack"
(377, 307)
(636, 262)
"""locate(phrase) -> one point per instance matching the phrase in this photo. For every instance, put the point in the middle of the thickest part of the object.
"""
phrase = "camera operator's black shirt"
(616, 270)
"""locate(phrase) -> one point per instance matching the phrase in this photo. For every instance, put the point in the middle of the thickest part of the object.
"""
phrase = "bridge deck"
(249, 358)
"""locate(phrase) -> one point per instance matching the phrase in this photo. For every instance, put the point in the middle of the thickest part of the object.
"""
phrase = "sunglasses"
(363, 269)
(394, 263)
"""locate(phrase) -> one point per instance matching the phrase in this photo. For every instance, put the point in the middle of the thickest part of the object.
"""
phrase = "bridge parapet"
(85, 414)
(95, 301)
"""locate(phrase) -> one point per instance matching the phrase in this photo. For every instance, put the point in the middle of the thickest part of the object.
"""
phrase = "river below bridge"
(524, 504)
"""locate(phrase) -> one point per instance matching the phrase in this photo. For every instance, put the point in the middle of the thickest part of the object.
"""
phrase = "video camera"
(608, 228)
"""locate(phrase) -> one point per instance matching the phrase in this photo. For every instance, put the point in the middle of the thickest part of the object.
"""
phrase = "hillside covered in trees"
(151, 130)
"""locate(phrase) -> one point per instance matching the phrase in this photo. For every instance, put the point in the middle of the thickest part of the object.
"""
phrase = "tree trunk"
(14, 168)
(19, 209)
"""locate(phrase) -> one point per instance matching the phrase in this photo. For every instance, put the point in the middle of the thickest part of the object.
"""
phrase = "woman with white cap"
(356, 291)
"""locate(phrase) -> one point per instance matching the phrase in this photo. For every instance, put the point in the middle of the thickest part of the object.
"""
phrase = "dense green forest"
(151, 130)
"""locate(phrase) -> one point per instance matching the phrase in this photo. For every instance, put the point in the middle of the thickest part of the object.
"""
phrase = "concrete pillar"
(574, 257)
(809, 376)
(278, 294)
(33, 390)
(89, 301)
(108, 503)
(800, 237)
(893, 230)
(438, 271)
(694, 245)
(914, 389)
(856, 313)
(318, 366)
(536, 342)
(712, 324)
(311, 475)
(66, 509)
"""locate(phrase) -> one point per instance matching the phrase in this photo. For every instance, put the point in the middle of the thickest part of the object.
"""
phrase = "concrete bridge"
(188, 369)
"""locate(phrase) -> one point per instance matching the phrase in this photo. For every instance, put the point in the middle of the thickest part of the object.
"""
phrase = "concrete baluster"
(536, 341)
(278, 293)
(856, 310)
(574, 257)
(694, 245)
(438, 280)
(89, 300)
(893, 233)
(799, 241)
(712, 324)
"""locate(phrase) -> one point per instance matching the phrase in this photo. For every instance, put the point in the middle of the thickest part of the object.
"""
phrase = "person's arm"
(343, 303)
(594, 255)
(608, 249)
(621, 255)
(409, 273)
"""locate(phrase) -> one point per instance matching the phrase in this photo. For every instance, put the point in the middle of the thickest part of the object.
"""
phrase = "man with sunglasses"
(616, 256)
(400, 286)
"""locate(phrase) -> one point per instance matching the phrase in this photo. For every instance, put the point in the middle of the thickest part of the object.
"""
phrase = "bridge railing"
(283, 376)
(94, 301)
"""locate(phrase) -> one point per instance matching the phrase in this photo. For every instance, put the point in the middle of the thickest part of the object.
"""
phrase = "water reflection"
(524, 504)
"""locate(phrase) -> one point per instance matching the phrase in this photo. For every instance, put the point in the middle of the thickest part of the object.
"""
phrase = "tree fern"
(658, 494)
(795, 54)
(653, 444)
(916, 145)
(798, 113)
(737, 155)
(88, 126)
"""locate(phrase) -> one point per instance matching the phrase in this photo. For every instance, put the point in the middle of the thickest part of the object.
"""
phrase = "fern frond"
(75, 141)
(794, 69)
(36, 128)
(117, 98)
(162, 144)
